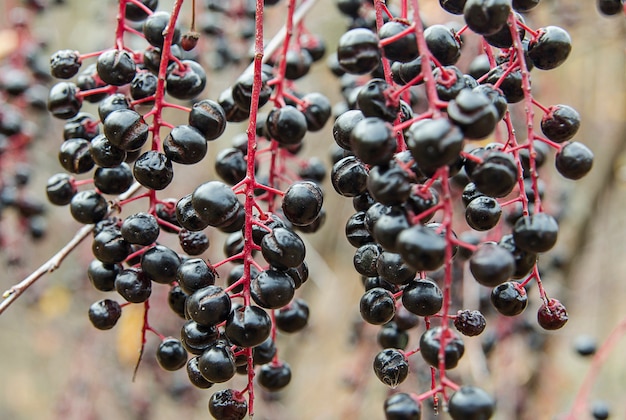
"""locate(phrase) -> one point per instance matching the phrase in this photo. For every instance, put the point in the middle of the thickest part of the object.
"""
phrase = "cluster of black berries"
(266, 194)
(402, 161)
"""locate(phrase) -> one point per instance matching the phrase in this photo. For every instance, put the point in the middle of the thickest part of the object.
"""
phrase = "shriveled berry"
(470, 323)
(195, 376)
(153, 170)
(104, 153)
(552, 316)
(140, 228)
(64, 64)
(365, 259)
(143, 85)
(228, 404)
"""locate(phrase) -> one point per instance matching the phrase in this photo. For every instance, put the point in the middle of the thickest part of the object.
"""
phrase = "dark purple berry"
(116, 67)
(104, 314)
(391, 367)
(552, 316)
(377, 306)
(171, 354)
(471, 403)
(551, 48)
(470, 323)
(358, 51)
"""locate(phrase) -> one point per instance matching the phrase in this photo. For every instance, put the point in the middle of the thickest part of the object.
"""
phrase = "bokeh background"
(55, 365)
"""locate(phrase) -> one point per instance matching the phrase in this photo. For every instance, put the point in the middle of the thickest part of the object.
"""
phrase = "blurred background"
(55, 365)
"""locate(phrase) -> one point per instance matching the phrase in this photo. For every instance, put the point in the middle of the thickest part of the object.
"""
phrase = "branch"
(53, 263)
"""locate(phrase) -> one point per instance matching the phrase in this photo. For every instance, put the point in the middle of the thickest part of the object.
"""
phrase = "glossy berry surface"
(552, 315)
(228, 404)
(377, 306)
(171, 354)
(104, 314)
(358, 51)
(551, 49)
(430, 344)
(391, 367)
(509, 298)
(471, 403)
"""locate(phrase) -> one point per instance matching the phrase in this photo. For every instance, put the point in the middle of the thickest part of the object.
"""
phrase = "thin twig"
(279, 38)
(53, 263)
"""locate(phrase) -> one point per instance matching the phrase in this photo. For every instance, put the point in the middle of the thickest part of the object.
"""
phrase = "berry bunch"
(403, 161)
(266, 194)
(23, 93)
(442, 185)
